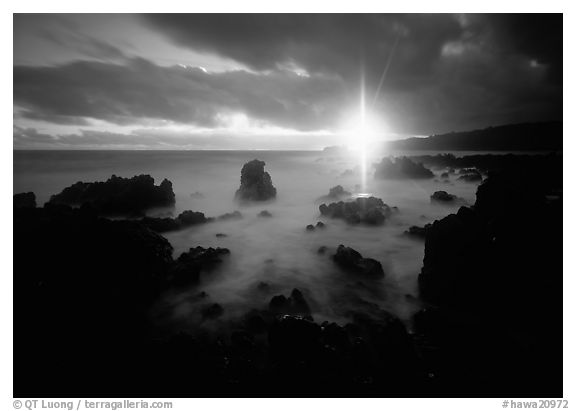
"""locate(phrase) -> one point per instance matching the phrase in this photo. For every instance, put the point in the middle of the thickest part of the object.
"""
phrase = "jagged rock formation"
(255, 183)
(444, 197)
(351, 260)
(369, 210)
(493, 272)
(189, 265)
(295, 304)
(118, 195)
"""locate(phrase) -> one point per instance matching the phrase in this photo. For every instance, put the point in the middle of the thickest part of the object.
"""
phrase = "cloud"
(302, 73)
(163, 139)
(128, 93)
(318, 43)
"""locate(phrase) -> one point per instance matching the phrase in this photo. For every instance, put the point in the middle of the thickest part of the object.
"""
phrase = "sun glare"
(360, 132)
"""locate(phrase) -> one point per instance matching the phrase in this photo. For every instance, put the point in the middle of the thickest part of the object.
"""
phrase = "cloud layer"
(301, 73)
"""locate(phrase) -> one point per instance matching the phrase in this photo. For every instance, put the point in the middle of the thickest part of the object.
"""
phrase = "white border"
(566, 7)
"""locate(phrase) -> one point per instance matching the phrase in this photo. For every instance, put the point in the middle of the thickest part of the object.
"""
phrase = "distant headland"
(513, 137)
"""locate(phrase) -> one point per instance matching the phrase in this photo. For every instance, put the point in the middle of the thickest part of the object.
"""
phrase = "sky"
(276, 81)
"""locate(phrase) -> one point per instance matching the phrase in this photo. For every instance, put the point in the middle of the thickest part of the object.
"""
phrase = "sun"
(360, 131)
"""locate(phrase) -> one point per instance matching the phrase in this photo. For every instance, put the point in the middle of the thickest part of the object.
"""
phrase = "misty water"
(278, 250)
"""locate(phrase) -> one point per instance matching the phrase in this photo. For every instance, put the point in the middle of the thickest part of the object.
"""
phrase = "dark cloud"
(446, 72)
(325, 43)
(139, 90)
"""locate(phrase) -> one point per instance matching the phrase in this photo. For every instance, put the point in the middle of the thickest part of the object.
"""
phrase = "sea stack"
(255, 183)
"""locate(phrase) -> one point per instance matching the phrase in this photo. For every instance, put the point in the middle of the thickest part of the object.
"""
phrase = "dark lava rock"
(322, 249)
(221, 235)
(236, 215)
(445, 175)
(444, 197)
(294, 338)
(109, 254)
(335, 336)
(212, 311)
(369, 210)
(401, 168)
(118, 195)
(264, 213)
(96, 276)
(24, 200)
(320, 224)
(491, 273)
(188, 218)
(417, 231)
(351, 260)
(255, 183)
(501, 236)
(310, 227)
(190, 264)
(185, 219)
(293, 305)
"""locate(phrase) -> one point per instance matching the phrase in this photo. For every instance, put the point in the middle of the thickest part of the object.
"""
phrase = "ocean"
(269, 256)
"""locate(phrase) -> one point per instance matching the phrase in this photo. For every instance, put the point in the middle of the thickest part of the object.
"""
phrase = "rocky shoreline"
(84, 286)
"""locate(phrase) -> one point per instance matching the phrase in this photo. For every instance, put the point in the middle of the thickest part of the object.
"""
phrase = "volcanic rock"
(118, 195)
(293, 305)
(255, 183)
(351, 260)
(369, 210)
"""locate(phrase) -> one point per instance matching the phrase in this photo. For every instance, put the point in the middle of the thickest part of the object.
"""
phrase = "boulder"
(265, 214)
(371, 211)
(444, 197)
(255, 183)
(188, 218)
(352, 261)
(294, 305)
(187, 268)
(118, 195)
